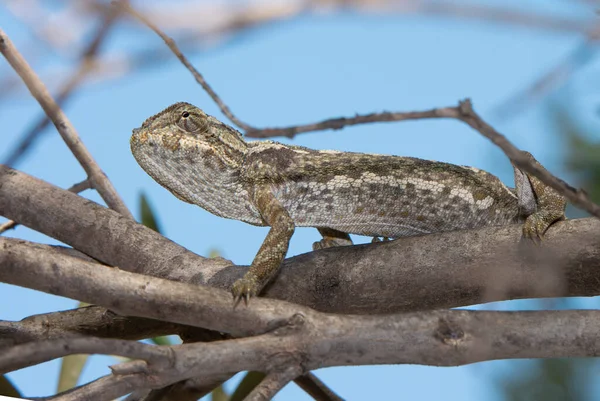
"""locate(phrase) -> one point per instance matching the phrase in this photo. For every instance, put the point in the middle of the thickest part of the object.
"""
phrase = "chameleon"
(205, 162)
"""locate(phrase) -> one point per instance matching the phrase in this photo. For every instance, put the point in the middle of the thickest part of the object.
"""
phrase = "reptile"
(265, 183)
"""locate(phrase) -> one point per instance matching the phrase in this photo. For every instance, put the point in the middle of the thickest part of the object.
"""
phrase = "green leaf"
(147, 214)
(219, 394)
(7, 388)
(163, 340)
(71, 367)
(251, 380)
(213, 253)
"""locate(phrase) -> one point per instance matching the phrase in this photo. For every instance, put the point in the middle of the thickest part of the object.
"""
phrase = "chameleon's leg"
(331, 238)
(540, 203)
(273, 249)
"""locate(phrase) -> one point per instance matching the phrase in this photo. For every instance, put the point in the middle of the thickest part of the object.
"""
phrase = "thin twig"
(76, 188)
(199, 78)
(86, 65)
(37, 88)
(316, 388)
(29, 354)
(107, 387)
(272, 384)
(578, 197)
(341, 122)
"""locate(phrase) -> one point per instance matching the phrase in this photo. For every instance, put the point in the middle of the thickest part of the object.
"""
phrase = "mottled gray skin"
(207, 163)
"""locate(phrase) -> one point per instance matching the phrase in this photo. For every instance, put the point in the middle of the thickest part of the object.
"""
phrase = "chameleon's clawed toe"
(244, 288)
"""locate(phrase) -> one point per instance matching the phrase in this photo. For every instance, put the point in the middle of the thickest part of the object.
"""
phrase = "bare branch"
(199, 78)
(140, 295)
(33, 353)
(75, 188)
(577, 197)
(63, 125)
(341, 122)
(103, 389)
(272, 383)
(435, 338)
(86, 65)
(463, 112)
(341, 280)
(89, 321)
(316, 388)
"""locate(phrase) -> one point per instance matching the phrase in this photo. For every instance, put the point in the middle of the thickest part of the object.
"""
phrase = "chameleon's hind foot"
(537, 224)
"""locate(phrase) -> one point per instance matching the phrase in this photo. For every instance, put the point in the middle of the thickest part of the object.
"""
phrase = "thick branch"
(75, 188)
(468, 267)
(37, 88)
(133, 294)
(437, 338)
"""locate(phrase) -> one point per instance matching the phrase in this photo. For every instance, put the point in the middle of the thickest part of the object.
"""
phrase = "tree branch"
(87, 64)
(436, 338)
(75, 188)
(33, 353)
(175, 49)
(316, 388)
(37, 88)
(375, 278)
(273, 383)
(92, 320)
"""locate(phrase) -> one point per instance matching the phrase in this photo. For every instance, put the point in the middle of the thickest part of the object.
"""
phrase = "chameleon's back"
(379, 195)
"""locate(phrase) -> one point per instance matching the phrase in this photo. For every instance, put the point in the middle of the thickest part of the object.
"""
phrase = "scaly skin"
(207, 163)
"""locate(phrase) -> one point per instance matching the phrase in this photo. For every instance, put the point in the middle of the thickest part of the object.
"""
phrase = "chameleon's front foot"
(245, 288)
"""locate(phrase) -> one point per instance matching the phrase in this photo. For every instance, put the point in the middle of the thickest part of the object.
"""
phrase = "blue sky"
(300, 71)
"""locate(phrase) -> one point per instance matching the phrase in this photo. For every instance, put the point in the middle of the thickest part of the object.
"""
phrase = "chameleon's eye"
(191, 122)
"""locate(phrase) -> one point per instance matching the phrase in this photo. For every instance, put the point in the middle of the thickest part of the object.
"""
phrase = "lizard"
(265, 183)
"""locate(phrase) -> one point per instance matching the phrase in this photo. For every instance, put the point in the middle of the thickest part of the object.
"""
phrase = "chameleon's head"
(184, 128)
(184, 119)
